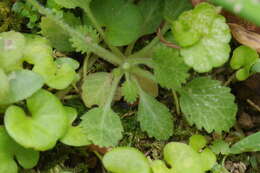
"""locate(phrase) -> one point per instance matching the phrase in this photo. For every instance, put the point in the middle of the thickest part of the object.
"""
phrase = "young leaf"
(183, 159)
(248, 144)
(197, 142)
(204, 37)
(96, 88)
(207, 104)
(129, 91)
(22, 80)
(173, 8)
(169, 68)
(103, 126)
(90, 34)
(10, 150)
(47, 123)
(126, 160)
(11, 47)
(122, 19)
(220, 147)
(154, 117)
(75, 135)
(243, 59)
(152, 15)
(39, 53)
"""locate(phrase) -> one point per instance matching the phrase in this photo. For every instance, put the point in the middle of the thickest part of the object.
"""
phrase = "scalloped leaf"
(22, 84)
(154, 117)
(126, 160)
(96, 88)
(75, 135)
(10, 150)
(103, 126)
(40, 131)
(208, 105)
(243, 59)
(109, 13)
(11, 47)
(249, 144)
(204, 37)
(169, 68)
(129, 91)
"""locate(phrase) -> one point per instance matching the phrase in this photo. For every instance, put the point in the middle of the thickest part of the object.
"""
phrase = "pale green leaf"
(4, 85)
(169, 67)
(10, 150)
(129, 91)
(46, 124)
(154, 117)
(122, 19)
(197, 142)
(204, 37)
(11, 47)
(208, 105)
(103, 126)
(152, 12)
(173, 8)
(96, 88)
(248, 144)
(159, 166)
(126, 160)
(75, 135)
(22, 84)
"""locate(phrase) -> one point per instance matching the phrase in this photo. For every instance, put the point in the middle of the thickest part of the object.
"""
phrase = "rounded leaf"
(47, 123)
(126, 160)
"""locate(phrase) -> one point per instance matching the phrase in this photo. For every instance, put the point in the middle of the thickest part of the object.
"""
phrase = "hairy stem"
(137, 61)
(144, 73)
(101, 32)
(95, 48)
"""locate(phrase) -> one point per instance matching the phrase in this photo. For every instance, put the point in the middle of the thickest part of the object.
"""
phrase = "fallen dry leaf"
(245, 37)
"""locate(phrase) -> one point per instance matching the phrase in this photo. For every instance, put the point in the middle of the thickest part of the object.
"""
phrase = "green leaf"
(73, 3)
(173, 8)
(96, 88)
(208, 159)
(248, 144)
(169, 68)
(47, 123)
(75, 135)
(220, 147)
(39, 53)
(183, 159)
(152, 15)
(58, 37)
(66, 60)
(11, 47)
(10, 150)
(103, 126)
(243, 59)
(154, 117)
(4, 85)
(159, 166)
(197, 142)
(90, 34)
(208, 105)
(22, 84)
(122, 19)
(204, 37)
(126, 160)
(129, 91)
